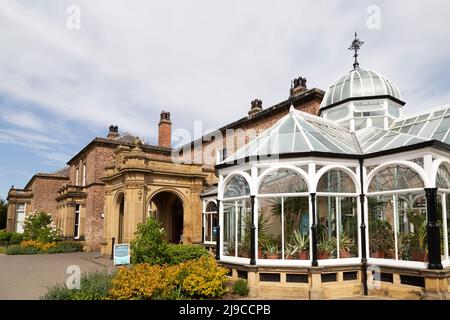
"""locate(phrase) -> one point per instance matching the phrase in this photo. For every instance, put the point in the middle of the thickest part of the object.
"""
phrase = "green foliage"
(19, 250)
(240, 287)
(39, 226)
(66, 247)
(178, 253)
(93, 286)
(149, 245)
(7, 238)
(3, 213)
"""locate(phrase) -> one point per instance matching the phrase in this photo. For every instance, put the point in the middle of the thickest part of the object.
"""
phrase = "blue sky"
(200, 60)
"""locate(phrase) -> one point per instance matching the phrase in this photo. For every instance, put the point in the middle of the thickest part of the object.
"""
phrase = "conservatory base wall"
(337, 282)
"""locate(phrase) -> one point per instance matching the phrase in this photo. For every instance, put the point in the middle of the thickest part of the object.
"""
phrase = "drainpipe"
(218, 232)
(362, 197)
(433, 236)
(253, 233)
(314, 262)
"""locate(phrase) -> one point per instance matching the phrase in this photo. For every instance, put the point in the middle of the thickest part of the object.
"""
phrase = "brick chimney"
(298, 85)
(256, 106)
(165, 130)
(113, 132)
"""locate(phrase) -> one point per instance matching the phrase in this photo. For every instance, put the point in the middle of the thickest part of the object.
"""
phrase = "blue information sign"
(121, 254)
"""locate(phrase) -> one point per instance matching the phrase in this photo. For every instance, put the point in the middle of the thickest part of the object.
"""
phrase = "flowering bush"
(41, 246)
(149, 245)
(204, 279)
(39, 226)
(201, 278)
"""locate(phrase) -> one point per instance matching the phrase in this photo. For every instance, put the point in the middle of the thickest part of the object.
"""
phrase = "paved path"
(28, 276)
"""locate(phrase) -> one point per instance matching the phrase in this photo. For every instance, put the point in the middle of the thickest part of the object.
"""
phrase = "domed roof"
(359, 83)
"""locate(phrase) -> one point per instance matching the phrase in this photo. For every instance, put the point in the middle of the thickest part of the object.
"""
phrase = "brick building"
(114, 183)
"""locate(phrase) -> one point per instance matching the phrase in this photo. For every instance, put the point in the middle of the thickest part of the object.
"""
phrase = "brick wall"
(164, 134)
(45, 191)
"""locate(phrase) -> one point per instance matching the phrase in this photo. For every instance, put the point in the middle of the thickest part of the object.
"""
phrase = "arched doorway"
(167, 207)
(121, 205)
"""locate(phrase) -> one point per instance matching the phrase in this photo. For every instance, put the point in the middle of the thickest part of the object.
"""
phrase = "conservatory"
(360, 186)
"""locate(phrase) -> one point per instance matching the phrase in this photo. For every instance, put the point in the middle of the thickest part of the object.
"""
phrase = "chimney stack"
(298, 86)
(165, 130)
(256, 107)
(113, 132)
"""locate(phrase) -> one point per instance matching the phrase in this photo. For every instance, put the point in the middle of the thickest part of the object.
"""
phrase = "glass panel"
(381, 222)
(208, 227)
(356, 88)
(416, 128)
(243, 227)
(338, 113)
(283, 181)
(326, 228)
(411, 227)
(395, 178)
(429, 128)
(296, 228)
(336, 181)
(229, 228)
(215, 223)
(211, 207)
(285, 135)
(443, 176)
(237, 186)
(378, 122)
(442, 129)
(269, 228)
(348, 227)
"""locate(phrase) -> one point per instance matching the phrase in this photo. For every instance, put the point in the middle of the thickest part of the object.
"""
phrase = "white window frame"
(17, 215)
(84, 175)
(76, 235)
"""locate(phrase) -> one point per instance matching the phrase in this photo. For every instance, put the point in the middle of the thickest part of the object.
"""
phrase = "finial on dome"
(356, 45)
(291, 108)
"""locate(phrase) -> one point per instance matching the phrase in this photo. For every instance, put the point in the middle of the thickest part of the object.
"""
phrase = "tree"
(3, 213)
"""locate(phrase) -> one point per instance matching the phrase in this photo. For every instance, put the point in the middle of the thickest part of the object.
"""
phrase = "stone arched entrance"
(167, 207)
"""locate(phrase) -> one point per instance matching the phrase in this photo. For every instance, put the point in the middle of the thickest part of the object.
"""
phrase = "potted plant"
(244, 249)
(290, 251)
(381, 238)
(301, 244)
(418, 236)
(272, 251)
(345, 246)
(325, 248)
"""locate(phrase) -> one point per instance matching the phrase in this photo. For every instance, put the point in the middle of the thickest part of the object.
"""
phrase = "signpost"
(121, 254)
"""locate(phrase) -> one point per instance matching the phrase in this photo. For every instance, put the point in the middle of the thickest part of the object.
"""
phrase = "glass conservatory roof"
(300, 132)
(359, 83)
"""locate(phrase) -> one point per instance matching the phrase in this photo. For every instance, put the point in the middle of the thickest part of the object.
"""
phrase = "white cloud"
(204, 60)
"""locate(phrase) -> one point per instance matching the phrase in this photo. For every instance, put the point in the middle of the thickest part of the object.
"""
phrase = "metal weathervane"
(356, 45)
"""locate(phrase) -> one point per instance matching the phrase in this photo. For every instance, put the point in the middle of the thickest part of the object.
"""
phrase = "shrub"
(149, 245)
(204, 279)
(93, 286)
(144, 282)
(178, 253)
(16, 238)
(5, 237)
(240, 287)
(42, 247)
(66, 247)
(18, 249)
(39, 226)
(201, 278)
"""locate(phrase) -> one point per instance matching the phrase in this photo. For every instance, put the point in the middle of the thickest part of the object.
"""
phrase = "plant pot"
(260, 253)
(390, 254)
(303, 255)
(323, 255)
(378, 254)
(289, 257)
(272, 256)
(244, 254)
(344, 254)
(419, 256)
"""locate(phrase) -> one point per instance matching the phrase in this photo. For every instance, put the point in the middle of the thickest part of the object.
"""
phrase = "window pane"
(296, 228)
(208, 227)
(381, 230)
(237, 186)
(443, 176)
(348, 227)
(336, 181)
(282, 181)
(326, 228)
(211, 207)
(395, 178)
(229, 231)
(243, 226)
(411, 227)
(269, 228)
